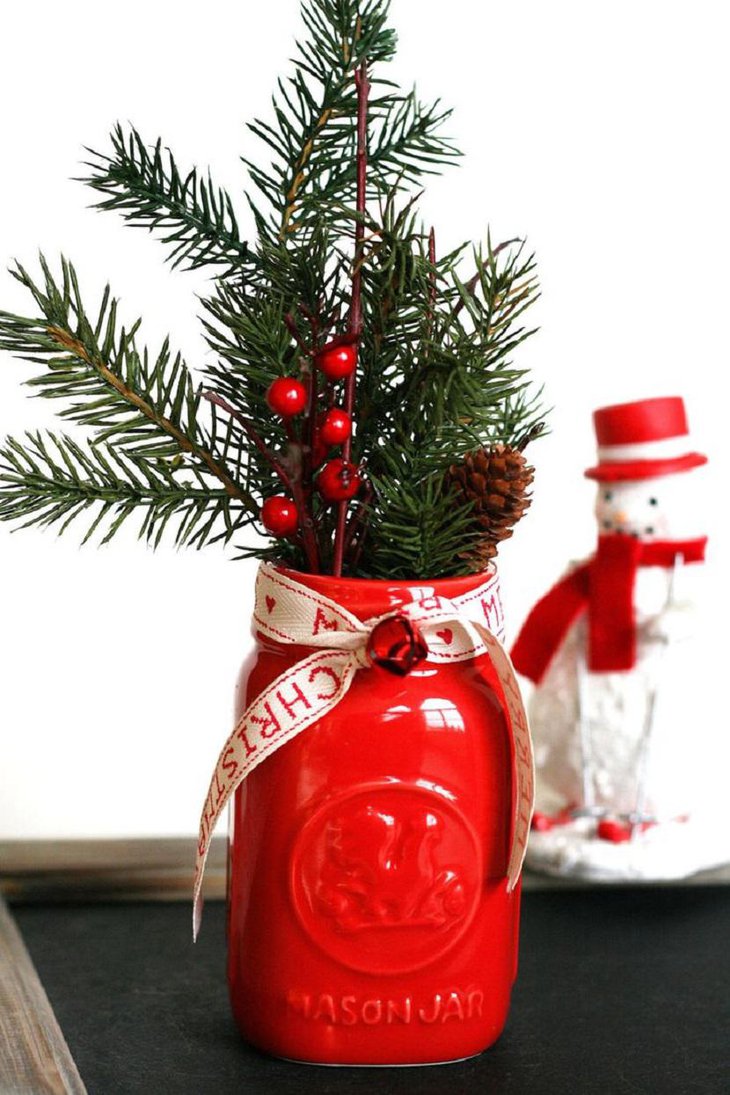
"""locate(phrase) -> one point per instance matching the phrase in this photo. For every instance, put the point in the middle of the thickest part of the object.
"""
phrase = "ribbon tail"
(469, 637)
(297, 698)
(524, 763)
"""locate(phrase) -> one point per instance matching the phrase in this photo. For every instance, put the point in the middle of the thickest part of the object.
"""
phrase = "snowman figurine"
(615, 653)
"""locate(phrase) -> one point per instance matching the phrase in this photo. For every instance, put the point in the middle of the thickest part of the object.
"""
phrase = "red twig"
(291, 326)
(363, 90)
(309, 426)
(432, 279)
(469, 287)
(309, 434)
(474, 281)
(291, 483)
(358, 548)
(357, 521)
(355, 320)
(250, 430)
(314, 326)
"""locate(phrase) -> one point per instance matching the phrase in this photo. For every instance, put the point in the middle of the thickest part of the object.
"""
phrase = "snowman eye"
(653, 502)
(607, 496)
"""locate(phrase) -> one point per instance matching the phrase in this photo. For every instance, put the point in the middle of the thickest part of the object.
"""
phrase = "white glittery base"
(663, 853)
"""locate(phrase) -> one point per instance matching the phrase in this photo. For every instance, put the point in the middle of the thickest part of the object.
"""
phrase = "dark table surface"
(620, 990)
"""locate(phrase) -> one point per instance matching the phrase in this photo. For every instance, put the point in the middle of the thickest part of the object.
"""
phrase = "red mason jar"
(369, 920)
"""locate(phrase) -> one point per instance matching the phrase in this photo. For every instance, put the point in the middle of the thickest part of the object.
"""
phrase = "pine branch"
(49, 480)
(340, 255)
(415, 527)
(362, 83)
(195, 218)
(145, 405)
(290, 478)
(406, 142)
(251, 333)
(439, 356)
(314, 132)
(463, 375)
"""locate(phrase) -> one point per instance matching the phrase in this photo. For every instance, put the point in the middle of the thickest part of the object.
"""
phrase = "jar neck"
(367, 597)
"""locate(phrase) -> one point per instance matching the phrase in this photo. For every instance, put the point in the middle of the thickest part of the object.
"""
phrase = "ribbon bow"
(441, 630)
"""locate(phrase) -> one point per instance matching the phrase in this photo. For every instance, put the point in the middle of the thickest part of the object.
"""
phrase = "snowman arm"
(677, 621)
(688, 584)
(673, 624)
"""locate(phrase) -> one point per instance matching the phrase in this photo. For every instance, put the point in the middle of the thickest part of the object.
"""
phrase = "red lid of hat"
(645, 420)
(636, 431)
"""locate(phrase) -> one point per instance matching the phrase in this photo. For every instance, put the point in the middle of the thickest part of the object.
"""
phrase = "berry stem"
(250, 430)
(309, 432)
(432, 279)
(473, 281)
(355, 320)
(291, 326)
(291, 483)
(356, 524)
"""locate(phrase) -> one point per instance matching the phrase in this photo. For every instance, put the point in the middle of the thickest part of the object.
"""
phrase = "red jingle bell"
(338, 481)
(279, 516)
(287, 396)
(337, 362)
(335, 427)
(397, 645)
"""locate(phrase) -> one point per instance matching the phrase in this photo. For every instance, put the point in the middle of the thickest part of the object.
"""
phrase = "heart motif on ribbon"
(270, 602)
(446, 635)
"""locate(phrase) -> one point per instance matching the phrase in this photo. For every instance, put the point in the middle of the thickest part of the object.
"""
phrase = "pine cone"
(496, 480)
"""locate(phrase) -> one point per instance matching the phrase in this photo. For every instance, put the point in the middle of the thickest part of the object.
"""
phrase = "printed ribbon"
(289, 613)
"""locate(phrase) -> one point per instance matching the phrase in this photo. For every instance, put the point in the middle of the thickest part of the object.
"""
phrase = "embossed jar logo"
(385, 878)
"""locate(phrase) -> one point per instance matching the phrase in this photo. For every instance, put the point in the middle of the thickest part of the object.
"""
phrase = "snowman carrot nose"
(621, 517)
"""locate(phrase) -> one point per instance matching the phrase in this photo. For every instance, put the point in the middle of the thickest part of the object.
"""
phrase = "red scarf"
(605, 587)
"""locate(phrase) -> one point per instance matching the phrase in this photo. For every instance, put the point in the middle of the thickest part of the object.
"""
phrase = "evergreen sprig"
(142, 409)
(51, 480)
(340, 257)
(196, 219)
(441, 358)
(312, 137)
(416, 528)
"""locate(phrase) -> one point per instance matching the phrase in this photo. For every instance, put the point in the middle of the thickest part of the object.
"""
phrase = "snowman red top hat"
(643, 440)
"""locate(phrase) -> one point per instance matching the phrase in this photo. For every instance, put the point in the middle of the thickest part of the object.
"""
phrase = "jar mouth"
(369, 599)
(461, 583)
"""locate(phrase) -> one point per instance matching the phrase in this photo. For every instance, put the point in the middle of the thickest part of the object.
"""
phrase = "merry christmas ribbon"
(292, 614)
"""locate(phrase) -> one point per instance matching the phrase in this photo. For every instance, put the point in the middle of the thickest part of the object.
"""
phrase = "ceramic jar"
(369, 919)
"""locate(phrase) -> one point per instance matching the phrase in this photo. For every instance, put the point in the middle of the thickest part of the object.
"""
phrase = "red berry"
(338, 481)
(287, 396)
(335, 427)
(280, 516)
(337, 362)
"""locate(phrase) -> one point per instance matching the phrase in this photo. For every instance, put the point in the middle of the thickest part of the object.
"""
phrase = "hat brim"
(644, 469)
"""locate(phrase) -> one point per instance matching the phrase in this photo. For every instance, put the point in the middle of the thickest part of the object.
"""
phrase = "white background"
(597, 130)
